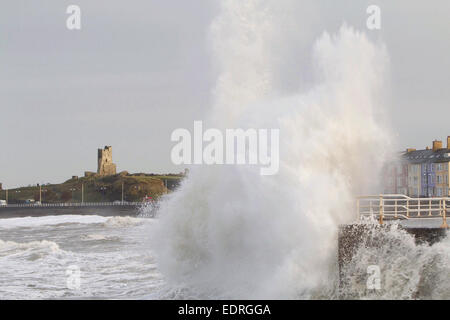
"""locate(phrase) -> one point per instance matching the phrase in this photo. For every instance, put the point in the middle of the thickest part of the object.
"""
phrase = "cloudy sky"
(139, 69)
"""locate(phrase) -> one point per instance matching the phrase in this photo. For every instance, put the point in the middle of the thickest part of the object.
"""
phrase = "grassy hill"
(99, 189)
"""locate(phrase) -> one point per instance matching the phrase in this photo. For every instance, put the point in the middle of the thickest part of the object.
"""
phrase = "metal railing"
(398, 206)
(71, 204)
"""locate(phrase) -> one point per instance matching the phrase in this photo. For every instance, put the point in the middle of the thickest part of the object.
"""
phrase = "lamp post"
(44, 191)
(103, 190)
(138, 189)
(16, 192)
(73, 190)
(122, 192)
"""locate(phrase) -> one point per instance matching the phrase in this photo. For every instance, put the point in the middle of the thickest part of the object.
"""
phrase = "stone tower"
(105, 165)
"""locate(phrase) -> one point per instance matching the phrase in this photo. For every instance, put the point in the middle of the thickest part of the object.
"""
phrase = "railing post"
(418, 207)
(370, 209)
(429, 207)
(357, 209)
(407, 208)
(440, 206)
(381, 209)
(395, 206)
(444, 216)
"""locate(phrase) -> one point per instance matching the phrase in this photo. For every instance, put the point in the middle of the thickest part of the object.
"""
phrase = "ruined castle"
(105, 165)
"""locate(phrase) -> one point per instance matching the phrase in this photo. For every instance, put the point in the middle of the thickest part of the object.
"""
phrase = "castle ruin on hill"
(105, 165)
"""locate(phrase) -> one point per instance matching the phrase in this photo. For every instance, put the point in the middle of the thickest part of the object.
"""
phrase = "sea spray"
(407, 269)
(230, 232)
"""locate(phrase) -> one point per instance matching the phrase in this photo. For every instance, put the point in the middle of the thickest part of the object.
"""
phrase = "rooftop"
(427, 155)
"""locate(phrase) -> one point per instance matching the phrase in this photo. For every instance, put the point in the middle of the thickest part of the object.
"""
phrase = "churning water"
(37, 252)
(115, 261)
(229, 232)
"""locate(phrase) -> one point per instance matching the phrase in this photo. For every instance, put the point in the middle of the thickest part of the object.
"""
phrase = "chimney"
(437, 145)
(448, 142)
(410, 150)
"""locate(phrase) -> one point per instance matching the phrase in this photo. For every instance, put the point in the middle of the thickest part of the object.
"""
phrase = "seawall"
(11, 212)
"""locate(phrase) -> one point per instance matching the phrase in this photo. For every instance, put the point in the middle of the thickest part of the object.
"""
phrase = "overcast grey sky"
(139, 69)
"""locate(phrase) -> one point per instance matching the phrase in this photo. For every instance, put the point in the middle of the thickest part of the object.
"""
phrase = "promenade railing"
(399, 206)
(71, 204)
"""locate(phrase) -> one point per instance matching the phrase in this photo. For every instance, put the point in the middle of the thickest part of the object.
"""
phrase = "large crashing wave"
(229, 232)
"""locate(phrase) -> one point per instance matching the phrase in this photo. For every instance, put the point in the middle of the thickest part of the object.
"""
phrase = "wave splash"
(229, 232)
(408, 270)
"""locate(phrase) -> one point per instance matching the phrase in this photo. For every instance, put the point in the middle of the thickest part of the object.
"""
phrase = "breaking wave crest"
(30, 222)
(32, 249)
(122, 221)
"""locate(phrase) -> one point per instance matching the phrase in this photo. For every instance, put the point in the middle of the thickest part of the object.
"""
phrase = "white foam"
(94, 237)
(12, 247)
(49, 220)
(407, 270)
(123, 221)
